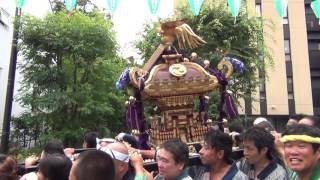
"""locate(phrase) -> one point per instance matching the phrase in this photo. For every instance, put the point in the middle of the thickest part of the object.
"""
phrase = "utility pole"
(10, 86)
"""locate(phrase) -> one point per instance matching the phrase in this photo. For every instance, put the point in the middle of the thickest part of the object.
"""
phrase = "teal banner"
(70, 4)
(234, 7)
(281, 7)
(315, 5)
(195, 6)
(112, 5)
(153, 6)
(20, 3)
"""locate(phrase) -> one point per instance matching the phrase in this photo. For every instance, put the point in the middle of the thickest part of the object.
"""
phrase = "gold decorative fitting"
(206, 63)
(178, 70)
(180, 30)
(226, 68)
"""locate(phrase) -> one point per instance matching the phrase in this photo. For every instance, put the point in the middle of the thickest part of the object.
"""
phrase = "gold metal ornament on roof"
(178, 70)
(182, 32)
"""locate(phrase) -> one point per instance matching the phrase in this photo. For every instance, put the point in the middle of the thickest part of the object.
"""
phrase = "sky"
(128, 22)
(128, 19)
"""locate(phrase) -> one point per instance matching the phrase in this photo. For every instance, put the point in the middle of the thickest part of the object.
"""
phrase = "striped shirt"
(203, 173)
(271, 172)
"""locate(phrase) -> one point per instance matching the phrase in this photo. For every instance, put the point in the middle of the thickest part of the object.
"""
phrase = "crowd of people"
(293, 154)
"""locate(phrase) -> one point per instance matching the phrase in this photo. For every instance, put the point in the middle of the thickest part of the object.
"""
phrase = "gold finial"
(182, 31)
(206, 63)
(194, 56)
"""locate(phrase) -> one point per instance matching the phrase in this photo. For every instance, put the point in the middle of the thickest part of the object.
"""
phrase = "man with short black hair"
(294, 119)
(302, 151)
(172, 161)
(261, 159)
(215, 155)
(308, 120)
(54, 146)
(93, 164)
(90, 140)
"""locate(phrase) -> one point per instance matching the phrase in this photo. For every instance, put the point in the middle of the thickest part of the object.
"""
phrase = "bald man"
(119, 153)
(308, 120)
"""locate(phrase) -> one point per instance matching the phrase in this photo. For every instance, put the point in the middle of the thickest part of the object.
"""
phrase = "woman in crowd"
(54, 167)
(8, 168)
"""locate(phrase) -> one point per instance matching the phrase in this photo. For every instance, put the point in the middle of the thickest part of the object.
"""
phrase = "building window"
(258, 10)
(290, 95)
(311, 23)
(314, 46)
(290, 84)
(288, 57)
(285, 19)
(315, 82)
(287, 46)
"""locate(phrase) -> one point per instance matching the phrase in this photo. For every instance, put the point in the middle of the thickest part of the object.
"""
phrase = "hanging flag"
(195, 6)
(70, 4)
(234, 7)
(153, 6)
(20, 3)
(315, 5)
(281, 7)
(112, 5)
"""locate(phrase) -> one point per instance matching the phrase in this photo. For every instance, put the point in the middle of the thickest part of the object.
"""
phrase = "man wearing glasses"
(172, 161)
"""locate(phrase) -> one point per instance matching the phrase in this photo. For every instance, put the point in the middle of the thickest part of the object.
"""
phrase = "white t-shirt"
(30, 176)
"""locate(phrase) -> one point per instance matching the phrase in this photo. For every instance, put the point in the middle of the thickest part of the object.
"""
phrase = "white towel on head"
(259, 120)
(108, 140)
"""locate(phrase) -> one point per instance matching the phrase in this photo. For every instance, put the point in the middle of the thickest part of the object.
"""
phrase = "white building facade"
(7, 12)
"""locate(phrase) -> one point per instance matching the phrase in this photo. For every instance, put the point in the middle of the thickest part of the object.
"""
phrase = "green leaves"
(69, 71)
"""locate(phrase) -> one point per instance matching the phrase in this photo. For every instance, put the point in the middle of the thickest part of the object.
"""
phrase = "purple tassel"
(143, 141)
(203, 109)
(132, 120)
(141, 84)
(231, 108)
(225, 98)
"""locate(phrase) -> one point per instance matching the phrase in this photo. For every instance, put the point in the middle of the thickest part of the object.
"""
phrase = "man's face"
(168, 168)
(251, 153)
(300, 156)
(208, 155)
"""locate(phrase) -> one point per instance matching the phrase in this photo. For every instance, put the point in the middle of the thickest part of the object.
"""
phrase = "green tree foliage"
(69, 70)
(242, 38)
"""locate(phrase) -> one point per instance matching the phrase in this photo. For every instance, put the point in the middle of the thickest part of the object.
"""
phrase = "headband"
(304, 138)
(259, 120)
(108, 140)
(116, 155)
